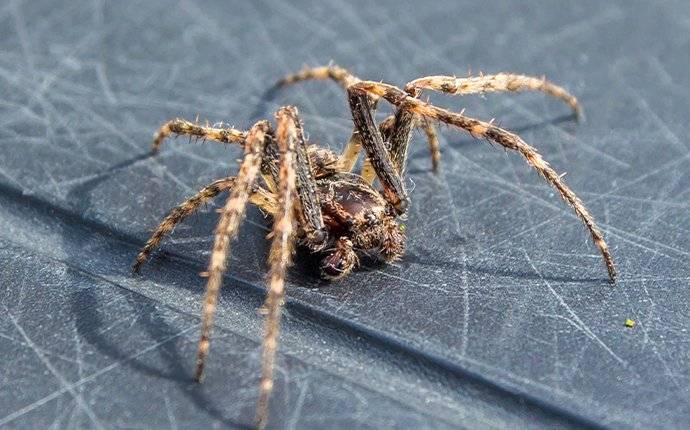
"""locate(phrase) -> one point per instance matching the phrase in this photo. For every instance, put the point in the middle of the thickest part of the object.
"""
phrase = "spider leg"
(463, 86)
(259, 196)
(490, 84)
(332, 71)
(288, 136)
(229, 222)
(344, 78)
(399, 131)
(350, 154)
(504, 138)
(308, 199)
(361, 107)
(385, 128)
(432, 140)
(187, 128)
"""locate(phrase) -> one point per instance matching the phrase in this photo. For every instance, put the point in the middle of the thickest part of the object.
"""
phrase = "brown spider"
(318, 202)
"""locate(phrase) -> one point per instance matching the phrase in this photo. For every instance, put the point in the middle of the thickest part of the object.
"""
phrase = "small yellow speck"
(630, 323)
(403, 228)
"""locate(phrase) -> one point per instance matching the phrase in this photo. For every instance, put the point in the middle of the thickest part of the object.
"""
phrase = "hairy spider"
(318, 202)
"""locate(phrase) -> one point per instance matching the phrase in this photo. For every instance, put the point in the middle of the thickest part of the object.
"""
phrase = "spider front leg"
(397, 131)
(504, 138)
(228, 225)
(308, 198)
(288, 135)
(186, 128)
(372, 142)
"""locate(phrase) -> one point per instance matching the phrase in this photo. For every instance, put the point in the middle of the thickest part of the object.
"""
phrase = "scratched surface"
(499, 315)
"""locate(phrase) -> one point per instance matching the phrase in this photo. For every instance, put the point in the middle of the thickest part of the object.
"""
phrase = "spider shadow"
(80, 194)
(85, 304)
(435, 261)
(264, 103)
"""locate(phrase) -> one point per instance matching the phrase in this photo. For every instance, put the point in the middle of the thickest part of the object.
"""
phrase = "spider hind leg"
(259, 196)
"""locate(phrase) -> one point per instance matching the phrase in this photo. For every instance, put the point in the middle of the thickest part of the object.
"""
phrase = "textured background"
(499, 315)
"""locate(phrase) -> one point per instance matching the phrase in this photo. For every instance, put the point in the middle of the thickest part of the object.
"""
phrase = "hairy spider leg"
(399, 135)
(349, 156)
(308, 198)
(372, 142)
(182, 127)
(502, 137)
(288, 135)
(258, 196)
(432, 140)
(492, 83)
(228, 225)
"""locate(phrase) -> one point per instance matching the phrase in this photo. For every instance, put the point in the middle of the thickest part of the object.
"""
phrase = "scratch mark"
(572, 31)
(466, 306)
(577, 322)
(299, 404)
(20, 26)
(661, 71)
(170, 413)
(63, 382)
(103, 79)
(663, 126)
(70, 387)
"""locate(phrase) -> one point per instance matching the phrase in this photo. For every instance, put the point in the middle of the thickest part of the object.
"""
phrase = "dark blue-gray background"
(498, 316)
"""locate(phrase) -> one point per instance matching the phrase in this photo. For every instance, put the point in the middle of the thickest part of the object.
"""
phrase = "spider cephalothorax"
(358, 219)
(317, 200)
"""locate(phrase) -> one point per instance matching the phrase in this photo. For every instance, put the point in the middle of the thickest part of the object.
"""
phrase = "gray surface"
(499, 315)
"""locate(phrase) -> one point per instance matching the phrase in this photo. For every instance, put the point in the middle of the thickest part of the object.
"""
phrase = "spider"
(318, 202)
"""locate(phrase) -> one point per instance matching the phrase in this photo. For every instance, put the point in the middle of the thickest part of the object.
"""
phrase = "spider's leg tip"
(199, 375)
(613, 274)
(155, 147)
